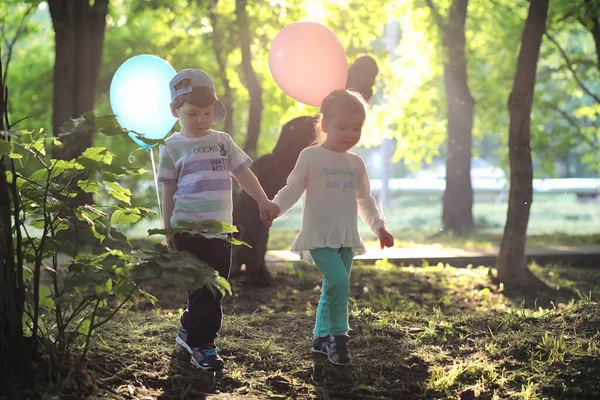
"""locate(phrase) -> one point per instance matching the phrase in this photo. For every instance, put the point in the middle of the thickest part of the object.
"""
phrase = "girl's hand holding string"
(385, 238)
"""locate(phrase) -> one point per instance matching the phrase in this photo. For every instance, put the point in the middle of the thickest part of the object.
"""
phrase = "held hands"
(385, 238)
(268, 212)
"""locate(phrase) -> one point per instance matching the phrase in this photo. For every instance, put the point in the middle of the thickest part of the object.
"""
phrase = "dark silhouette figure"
(272, 171)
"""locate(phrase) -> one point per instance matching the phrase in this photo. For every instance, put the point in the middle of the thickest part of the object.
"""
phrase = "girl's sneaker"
(207, 358)
(320, 345)
(181, 339)
(338, 352)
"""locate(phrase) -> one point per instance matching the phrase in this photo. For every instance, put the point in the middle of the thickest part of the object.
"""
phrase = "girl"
(337, 189)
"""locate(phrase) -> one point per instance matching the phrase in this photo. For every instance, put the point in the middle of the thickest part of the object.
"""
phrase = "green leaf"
(84, 328)
(237, 242)
(98, 154)
(91, 211)
(81, 125)
(123, 287)
(119, 192)
(153, 299)
(15, 156)
(97, 234)
(45, 299)
(61, 225)
(39, 146)
(209, 228)
(125, 217)
(59, 167)
(89, 185)
(38, 223)
(5, 148)
(119, 236)
(106, 122)
(39, 176)
(104, 289)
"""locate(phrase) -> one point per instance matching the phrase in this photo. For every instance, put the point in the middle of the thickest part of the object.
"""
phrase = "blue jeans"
(332, 312)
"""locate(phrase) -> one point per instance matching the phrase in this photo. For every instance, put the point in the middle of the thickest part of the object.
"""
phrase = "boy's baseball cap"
(197, 78)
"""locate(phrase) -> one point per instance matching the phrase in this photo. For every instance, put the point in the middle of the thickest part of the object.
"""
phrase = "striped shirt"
(201, 167)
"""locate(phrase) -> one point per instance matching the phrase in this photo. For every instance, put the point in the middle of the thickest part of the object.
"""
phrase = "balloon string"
(131, 158)
(156, 186)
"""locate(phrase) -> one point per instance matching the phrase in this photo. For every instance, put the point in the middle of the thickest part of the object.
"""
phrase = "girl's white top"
(335, 188)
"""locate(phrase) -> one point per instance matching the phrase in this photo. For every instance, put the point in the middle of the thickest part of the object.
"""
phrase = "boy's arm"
(169, 190)
(250, 184)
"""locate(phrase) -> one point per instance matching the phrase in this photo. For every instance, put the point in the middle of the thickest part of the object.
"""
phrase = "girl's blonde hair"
(339, 101)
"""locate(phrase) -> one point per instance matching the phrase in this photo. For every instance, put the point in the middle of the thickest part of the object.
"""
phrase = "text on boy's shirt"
(210, 149)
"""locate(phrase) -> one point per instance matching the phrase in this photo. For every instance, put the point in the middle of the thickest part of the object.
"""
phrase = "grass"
(417, 333)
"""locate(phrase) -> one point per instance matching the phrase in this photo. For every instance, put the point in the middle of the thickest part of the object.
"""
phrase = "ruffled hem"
(332, 236)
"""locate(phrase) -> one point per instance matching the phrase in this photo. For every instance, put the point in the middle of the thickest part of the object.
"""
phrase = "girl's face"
(194, 121)
(343, 131)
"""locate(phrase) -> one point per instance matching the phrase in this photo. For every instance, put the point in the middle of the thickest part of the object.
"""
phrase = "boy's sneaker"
(338, 352)
(207, 358)
(320, 345)
(181, 339)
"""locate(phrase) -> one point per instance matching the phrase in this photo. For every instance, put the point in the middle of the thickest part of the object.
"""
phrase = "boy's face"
(344, 131)
(194, 121)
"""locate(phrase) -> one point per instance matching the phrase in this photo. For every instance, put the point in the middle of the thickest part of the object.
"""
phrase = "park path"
(584, 256)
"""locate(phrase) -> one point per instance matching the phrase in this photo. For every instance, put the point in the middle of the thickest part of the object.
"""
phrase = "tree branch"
(20, 30)
(570, 67)
(575, 124)
(116, 310)
(436, 15)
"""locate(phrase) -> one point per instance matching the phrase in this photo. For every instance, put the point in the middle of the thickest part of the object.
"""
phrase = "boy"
(195, 168)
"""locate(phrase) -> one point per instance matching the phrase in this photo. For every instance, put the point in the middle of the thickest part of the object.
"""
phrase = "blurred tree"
(78, 42)
(457, 214)
(250, 78)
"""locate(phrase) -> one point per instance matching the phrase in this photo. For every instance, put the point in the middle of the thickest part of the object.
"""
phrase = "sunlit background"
(404, 139)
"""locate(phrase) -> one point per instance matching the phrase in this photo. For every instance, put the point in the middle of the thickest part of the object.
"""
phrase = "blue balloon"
(140, 97)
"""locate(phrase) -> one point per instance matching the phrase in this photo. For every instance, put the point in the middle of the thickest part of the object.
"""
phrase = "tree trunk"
(79, 35)
(512, 262)
(457, 212)
(457, 215)
(13, 352)
(252, 83)
(14, 355)
(218, 42)
(592, 12)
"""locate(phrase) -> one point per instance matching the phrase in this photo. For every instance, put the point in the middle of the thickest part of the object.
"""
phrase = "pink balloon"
(308, 62)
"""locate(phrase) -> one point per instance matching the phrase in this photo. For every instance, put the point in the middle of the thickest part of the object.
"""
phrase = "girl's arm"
(367, 209)
(296, 185)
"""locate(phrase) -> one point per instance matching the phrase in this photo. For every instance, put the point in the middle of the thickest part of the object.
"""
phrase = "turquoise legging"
(332, 312)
